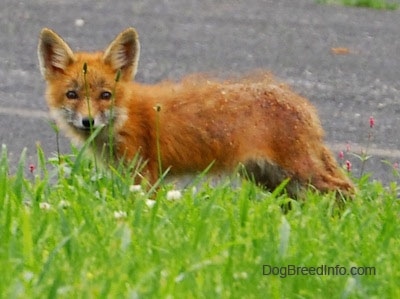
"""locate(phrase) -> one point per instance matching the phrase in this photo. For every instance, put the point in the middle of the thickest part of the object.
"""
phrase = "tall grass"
(375, 4)
(69, 230)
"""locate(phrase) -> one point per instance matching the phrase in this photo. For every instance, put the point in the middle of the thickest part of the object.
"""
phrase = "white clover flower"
(28, 275)
(240, 275)
(174, 195)
(135, 188)
(45, 206)
(150, 203)
(120, 215)
(180, 277)
(64, 204)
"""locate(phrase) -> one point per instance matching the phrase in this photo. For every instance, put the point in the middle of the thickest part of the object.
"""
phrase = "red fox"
(260, 124)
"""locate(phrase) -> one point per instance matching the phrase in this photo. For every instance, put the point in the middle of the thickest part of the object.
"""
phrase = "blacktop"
(345, 60)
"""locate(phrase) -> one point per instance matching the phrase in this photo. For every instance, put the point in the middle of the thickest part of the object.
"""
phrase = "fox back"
(185, 127)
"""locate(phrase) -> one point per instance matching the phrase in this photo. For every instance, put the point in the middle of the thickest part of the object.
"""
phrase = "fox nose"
(88, 122)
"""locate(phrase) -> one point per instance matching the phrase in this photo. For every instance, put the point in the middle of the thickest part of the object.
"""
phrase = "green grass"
(70, 231)
(376, 4)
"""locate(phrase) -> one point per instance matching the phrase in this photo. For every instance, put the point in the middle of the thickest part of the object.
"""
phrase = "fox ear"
(123, 53)
(54, 54)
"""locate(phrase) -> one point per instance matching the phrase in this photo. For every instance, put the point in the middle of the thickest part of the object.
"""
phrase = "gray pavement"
(292, 39)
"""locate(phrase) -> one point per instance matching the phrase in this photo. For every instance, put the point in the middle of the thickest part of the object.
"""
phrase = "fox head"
(84, 89)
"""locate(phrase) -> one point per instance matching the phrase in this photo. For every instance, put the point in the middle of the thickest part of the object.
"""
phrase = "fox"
(187, 126)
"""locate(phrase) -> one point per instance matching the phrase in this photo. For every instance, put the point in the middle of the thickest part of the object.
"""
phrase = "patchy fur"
(255, 121)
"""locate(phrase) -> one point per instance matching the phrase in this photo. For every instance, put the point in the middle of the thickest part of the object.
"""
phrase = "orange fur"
(257, 122)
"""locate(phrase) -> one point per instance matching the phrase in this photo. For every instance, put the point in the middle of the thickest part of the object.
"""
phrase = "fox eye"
(71, 94)
(105, 95)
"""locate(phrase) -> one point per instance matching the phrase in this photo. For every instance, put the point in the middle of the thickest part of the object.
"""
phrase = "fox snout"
(87, 123)
(83, 122)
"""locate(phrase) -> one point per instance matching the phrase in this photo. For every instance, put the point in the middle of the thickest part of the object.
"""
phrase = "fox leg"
(270, 175)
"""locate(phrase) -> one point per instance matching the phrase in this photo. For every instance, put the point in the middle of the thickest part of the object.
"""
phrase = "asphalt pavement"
(345, 60)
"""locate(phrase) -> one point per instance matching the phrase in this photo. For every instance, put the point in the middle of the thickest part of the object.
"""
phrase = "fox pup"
(260, 124)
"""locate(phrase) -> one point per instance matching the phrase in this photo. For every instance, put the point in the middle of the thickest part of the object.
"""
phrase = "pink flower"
(32, 167)
(396, 165)
(371, 122)
(348, 165)
(341, 155)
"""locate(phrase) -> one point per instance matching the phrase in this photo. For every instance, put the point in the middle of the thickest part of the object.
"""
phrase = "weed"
(157, 108)
(112, 117)
(363, 156)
